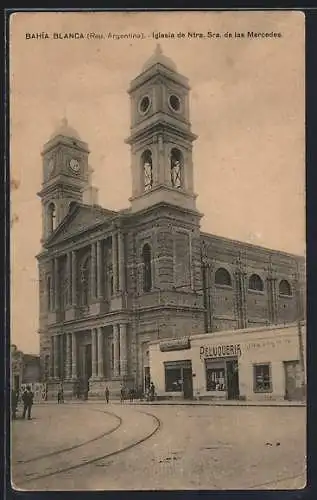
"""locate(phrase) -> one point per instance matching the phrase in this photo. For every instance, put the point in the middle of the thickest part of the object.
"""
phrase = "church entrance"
(85, 370)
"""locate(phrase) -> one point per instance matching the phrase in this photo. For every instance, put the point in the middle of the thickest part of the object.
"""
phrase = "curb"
(219, 403)
(149, 404)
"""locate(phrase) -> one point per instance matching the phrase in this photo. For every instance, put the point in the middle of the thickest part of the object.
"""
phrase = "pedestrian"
(27, 399)
(122, 394)
(59, 396)
(107, 393)
(152, 391)
(131, 395)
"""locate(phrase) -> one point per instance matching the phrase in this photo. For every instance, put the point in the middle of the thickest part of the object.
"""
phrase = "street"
(91, 446)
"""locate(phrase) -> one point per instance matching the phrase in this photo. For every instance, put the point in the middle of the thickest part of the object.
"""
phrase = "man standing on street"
(27, 402)
(107, 394)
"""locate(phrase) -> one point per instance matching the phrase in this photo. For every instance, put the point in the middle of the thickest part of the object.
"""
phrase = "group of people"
(27, 400)
(28, 397)
(133, 394)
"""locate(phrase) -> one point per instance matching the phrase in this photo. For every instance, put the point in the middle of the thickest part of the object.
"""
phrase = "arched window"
(49, 292)
(147, 166)
(255, 283)
(84, 281)
(147, 263)
(51, 217)
(222, 277)
(176, 168)
(285, 288)
(63, 284)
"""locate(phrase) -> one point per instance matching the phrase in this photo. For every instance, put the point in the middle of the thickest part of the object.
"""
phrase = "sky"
(246, 104)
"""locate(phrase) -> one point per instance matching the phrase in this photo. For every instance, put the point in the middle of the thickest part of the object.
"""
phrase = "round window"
(144, 104)
(175, 102)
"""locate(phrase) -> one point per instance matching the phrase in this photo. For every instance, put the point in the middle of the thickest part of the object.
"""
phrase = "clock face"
(74, 165)
(144, 104)
(174, 102)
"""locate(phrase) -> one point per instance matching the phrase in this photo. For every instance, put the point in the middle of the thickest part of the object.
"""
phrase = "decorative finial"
(64, 122)
(158, 50)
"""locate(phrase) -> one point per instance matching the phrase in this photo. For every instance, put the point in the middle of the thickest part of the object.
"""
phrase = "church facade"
(111, 282)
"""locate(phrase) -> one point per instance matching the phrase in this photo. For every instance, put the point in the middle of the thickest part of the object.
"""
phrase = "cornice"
(241, 245)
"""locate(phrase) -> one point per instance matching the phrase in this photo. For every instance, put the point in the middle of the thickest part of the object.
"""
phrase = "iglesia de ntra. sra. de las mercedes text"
(113, 282)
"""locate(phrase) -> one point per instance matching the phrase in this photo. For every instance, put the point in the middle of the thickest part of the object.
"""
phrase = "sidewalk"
(188, 403)
(223, 403)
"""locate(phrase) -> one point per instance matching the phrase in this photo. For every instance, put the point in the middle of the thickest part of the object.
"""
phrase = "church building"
(111, 281)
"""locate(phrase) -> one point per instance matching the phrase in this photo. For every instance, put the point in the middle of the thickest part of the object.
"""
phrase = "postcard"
(158, 316)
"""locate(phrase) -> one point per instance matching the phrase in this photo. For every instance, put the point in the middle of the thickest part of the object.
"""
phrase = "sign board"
(175, 344)
(219, 351)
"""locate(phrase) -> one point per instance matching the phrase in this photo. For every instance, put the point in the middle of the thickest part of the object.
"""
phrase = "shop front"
(178, 378)
(249, 364)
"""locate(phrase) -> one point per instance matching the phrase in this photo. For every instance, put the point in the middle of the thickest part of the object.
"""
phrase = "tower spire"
(158, 50)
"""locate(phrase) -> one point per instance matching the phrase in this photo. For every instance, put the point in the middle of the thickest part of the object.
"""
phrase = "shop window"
(175, 372)
(215, 379)
(285, 288)
(173, 380)
(262, 378)
(222, 277)
(255, 283)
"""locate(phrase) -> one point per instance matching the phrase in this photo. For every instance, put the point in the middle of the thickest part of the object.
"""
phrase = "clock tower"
(65, 175)
(161, 138)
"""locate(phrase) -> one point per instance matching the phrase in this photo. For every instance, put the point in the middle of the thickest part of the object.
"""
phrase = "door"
(188, 383)
(16, 383)
(85, 370)
(147, 379)
(293, 389)
(232, 370)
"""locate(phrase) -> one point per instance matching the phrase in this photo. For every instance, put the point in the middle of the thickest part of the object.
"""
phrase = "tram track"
(79, 445)
(61, 470)
(260, 486)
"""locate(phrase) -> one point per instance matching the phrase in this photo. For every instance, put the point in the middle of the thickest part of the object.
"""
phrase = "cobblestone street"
(91, 446)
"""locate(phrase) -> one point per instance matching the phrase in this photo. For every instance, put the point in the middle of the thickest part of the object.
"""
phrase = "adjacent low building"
(25, 368)
(266, 363)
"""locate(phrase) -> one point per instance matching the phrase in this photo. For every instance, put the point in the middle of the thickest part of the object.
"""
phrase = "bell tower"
(161, 138)
(65, 175)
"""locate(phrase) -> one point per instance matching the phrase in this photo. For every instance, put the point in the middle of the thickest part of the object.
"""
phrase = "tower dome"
(159, 58)
(66, 130)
